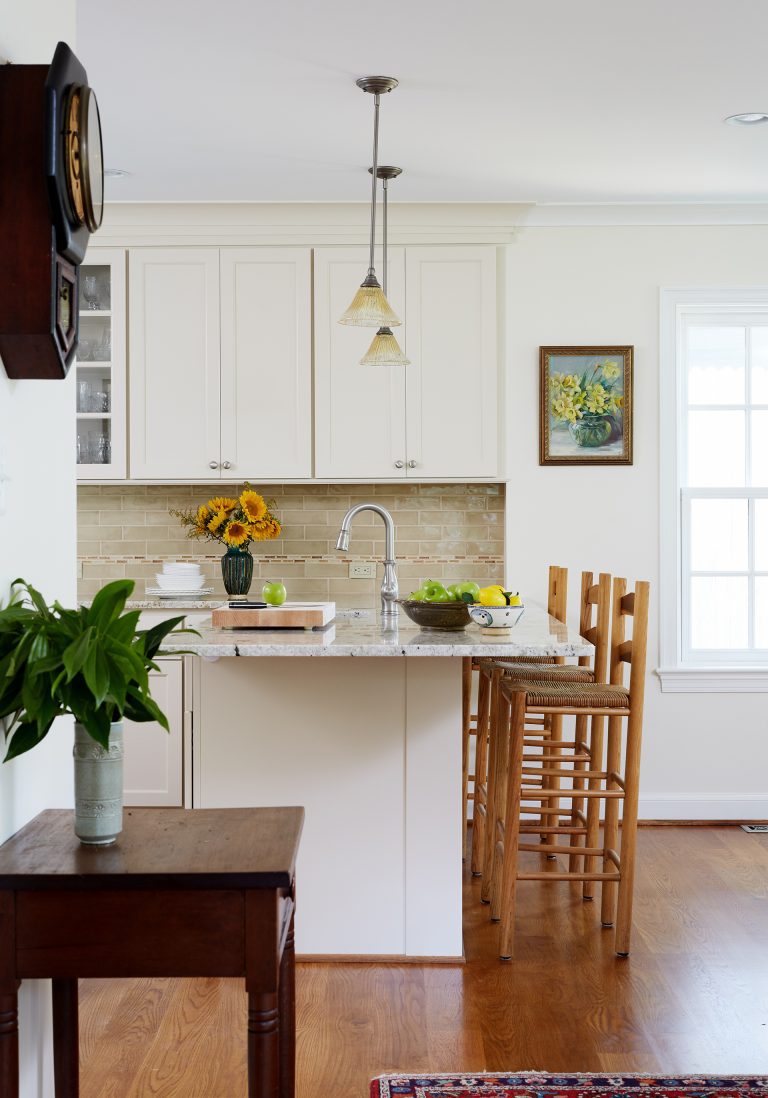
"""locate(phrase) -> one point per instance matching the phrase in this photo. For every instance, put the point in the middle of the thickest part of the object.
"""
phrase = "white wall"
(705, 756)
(37, 540)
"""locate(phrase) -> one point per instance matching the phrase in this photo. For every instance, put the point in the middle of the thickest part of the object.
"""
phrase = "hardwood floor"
(692, 997)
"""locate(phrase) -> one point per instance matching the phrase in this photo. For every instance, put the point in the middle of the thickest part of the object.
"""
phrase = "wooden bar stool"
(516, 699)
(594, 625)
(557, 598)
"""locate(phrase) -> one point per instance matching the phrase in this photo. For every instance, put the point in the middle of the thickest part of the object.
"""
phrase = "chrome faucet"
(389, 591)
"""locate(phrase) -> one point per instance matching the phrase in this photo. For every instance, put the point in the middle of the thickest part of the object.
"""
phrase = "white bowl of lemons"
(497, 608)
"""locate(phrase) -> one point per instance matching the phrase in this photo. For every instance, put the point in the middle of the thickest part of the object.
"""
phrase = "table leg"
(9, 1039)
(287, 1006)
(263, 1042)
(66, 1063)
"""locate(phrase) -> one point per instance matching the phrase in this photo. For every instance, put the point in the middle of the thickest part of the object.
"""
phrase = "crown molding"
(646, 214)
(295, 223)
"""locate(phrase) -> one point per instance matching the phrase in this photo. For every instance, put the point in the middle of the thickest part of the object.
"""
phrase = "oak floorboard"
(692, 997)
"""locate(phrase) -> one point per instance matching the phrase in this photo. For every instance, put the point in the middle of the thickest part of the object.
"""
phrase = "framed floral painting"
(586, 406)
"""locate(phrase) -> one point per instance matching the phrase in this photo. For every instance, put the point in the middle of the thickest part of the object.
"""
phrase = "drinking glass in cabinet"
(91, 292)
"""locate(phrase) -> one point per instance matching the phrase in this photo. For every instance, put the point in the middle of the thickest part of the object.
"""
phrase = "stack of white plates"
(179, 580)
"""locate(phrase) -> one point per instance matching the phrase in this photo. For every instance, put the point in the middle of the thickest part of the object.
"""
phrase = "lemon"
(492, 596)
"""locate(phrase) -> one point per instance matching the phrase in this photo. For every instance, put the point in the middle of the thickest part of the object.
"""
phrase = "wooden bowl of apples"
(434, 606)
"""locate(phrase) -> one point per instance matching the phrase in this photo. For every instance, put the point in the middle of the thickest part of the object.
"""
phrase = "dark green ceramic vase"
(237, 571)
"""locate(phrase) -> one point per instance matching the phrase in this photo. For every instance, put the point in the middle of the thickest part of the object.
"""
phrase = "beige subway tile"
(278, 570)
(300, 589)
(99, 533)
(356, 602)
(352, 586)
(87, 518)
(99, 569)
(305, 548)
(124, 548)
(153, 535)
(323, 502)
(364, 518)
(86, 589)
(299, 516)
(327, 568)
(159, 518)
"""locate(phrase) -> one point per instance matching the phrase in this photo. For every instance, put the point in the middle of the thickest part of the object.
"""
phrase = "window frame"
(684, 670)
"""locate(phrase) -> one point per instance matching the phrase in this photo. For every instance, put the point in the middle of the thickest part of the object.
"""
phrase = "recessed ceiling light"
(750, 119)
(116, 173)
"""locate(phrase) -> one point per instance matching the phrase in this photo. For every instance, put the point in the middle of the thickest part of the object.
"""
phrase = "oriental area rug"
(541, 1085)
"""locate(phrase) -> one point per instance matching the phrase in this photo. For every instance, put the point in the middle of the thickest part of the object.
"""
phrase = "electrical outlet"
(362, 569)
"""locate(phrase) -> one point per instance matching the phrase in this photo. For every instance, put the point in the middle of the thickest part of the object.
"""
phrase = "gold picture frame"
(585, 415)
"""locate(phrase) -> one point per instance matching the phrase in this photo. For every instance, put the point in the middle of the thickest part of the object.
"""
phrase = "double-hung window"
(714, 423)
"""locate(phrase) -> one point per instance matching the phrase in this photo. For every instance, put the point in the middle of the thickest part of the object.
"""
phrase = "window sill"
(713, 680)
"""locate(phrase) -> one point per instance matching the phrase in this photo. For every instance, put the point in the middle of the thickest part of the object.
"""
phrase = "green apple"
(454, 590)
(468, 588)
(435, 592)
(417, 596)
(274, 593)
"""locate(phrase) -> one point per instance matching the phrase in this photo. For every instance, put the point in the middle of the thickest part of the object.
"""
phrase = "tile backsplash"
(443, 531)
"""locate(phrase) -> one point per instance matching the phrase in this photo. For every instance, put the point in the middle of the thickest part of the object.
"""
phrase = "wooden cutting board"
(291, 615)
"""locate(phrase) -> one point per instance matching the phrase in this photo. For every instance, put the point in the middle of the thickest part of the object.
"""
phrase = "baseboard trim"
(374, 959)
(707, 807)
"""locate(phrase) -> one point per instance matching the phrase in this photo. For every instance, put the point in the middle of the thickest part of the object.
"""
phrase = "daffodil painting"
(586, 406)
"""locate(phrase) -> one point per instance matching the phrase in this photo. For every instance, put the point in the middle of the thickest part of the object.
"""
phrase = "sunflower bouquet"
(233, 522)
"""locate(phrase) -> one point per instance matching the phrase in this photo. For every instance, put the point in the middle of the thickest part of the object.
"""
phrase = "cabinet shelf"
(106, 364)
(94, 415)
(96, 312)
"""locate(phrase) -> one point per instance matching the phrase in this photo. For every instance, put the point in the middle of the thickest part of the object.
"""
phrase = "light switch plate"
(362, 569)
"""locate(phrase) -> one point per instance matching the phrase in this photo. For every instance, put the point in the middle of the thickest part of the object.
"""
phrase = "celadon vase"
(98, 787)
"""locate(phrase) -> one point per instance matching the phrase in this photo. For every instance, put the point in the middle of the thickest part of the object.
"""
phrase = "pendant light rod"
(385, 172)
(376, 86)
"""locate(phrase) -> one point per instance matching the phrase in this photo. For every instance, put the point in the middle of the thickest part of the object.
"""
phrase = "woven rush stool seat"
(544, 672)
(570, 695)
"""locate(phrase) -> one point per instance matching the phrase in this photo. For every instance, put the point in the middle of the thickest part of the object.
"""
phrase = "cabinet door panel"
(152, 774)
(266, 362)
(174, 362)
(452, 383)
(359, 410)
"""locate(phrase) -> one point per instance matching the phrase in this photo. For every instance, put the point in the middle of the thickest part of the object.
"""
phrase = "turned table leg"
(287, 1005)
(9, 1040)
(263, 1041)
(66, 1067)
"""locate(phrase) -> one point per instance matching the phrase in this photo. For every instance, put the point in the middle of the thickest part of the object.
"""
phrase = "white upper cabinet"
(359, 410)
(266, 363)
(220, 363)
(437, 417)
(174, 362)
(452, 382)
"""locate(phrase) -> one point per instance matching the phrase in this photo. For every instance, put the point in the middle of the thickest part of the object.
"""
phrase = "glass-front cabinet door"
(100, 371)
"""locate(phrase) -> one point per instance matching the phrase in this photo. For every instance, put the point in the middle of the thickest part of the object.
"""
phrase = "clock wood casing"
(51, 197)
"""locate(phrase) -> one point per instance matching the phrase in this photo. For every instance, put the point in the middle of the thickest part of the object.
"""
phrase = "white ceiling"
(499, 100)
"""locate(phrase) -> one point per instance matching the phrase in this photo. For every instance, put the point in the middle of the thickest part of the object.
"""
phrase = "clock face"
(83, 157)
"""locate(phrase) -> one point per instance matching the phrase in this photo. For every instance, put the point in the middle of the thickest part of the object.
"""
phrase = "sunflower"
(253, 505)
(222, 503)
(265, 529)
(216, 521)
(203, 514)
(236, 533)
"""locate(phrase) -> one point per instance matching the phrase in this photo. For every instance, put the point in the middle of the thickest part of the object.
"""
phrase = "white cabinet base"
(371, 748)
(153, 757)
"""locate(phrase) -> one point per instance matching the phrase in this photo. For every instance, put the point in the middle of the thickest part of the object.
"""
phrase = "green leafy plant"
(92, 662)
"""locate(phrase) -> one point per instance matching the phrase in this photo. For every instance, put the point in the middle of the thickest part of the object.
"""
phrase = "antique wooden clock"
(51, 200)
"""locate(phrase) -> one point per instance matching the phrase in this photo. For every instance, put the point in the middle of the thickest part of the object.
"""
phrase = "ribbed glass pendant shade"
(384, 351)
(370, 308)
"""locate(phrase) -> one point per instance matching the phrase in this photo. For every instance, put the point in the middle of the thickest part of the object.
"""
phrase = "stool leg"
(466, 695)
(596, 742)
(287, 1004)
(629, 834)
(577, 805)
(491, 803)
(263, 1041)
(66, 1052)
(500, 782)
(611, 832)
(479, 819)
(516, 735)
(9, 1039)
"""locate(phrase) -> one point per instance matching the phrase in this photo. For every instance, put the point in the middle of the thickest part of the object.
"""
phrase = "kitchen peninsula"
(371, 747)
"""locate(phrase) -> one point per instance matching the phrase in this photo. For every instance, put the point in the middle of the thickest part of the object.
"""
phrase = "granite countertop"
(186, 603)
(536, 634)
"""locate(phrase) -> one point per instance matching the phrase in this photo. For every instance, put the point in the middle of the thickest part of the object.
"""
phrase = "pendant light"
(385, 350)
(370, 308)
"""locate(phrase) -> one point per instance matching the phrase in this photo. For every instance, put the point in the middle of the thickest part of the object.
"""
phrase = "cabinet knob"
(213, 464)
(412, 464)
(226, 464)
(399, 464)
